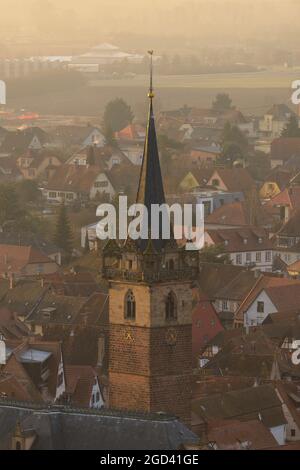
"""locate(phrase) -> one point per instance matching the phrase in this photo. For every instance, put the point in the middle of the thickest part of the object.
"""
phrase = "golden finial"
(151, 93)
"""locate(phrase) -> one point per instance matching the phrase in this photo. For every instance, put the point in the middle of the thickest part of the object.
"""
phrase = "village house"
(248, 246)
(261, 403)
(83, 388)
(132, 150)
(33, 165)
(232, 180)
(206, 325)
(194, 178)
(228, 298)
(249, 435)
(203, 156)
(21, 141)
(104, 157)
(282, 206)
(132, 132)
(24, 261)
(77, 136)
(36, 366)
(48, 248)
(287, 239)
(271, 300)
(284, 150)
(276, 181)
(238, 214)
(274, 120)
(71, 183)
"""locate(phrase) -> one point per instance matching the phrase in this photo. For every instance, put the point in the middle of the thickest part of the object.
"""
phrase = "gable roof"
(285, 147)
(263, 282)
(238, 287)
(214, 276)
(285, 297)
(292, 227)
(238, 213)
(233, 240)
(74, 135)
(235, 179)
(14, 258)
(243, 404)
(73, 178)
(205, 324)
(79, 384)
(289, 197)
(250, 435)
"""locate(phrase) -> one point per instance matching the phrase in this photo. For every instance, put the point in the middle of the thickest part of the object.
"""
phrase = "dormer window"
(260, 240)
(245, 241)
(226, 242)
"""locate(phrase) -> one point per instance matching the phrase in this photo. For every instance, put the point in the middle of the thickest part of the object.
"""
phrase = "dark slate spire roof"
(151, 189)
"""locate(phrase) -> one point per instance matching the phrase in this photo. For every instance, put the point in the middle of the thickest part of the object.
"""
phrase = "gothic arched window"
(171, 306)
(170, 265)
(130, 306)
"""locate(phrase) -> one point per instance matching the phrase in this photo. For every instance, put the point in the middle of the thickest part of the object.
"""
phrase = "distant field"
(252, 92)
(264, 79)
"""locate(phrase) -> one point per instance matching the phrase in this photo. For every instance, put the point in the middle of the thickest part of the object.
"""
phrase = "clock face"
(171, 336)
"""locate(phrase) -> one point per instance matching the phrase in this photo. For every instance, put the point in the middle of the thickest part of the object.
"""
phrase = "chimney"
(11, 281)
(286, 212)
(2, 350)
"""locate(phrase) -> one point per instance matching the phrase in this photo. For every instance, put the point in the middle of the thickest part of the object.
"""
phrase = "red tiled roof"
(285, 297)
(262, 283)
(253, 434)
(79, 383)
(288, 197)
(74, 178)
(206, 324)
(285, 147)
(235, 179)
(233, 239)
(14, 258)
(229, 214)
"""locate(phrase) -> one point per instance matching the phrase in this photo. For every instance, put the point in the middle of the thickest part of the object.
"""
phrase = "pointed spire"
(151, 189)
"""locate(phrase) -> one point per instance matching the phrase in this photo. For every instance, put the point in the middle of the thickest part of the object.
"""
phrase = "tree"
(109, 135)
(117, 115)
(63, 234)
(292, 128)
(28, 191)
(214, 254)
(234, 145)
(222, 102)
(87, 243)
(10, 210)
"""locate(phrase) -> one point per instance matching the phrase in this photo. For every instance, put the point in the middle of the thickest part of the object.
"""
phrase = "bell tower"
(150, 308)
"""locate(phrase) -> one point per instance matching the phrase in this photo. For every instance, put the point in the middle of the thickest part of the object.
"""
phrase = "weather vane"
(151, 93)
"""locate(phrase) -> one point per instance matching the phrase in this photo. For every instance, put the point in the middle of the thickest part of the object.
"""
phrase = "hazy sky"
(218, 20)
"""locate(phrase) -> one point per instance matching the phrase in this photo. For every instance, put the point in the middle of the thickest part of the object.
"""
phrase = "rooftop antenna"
(151, 93)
